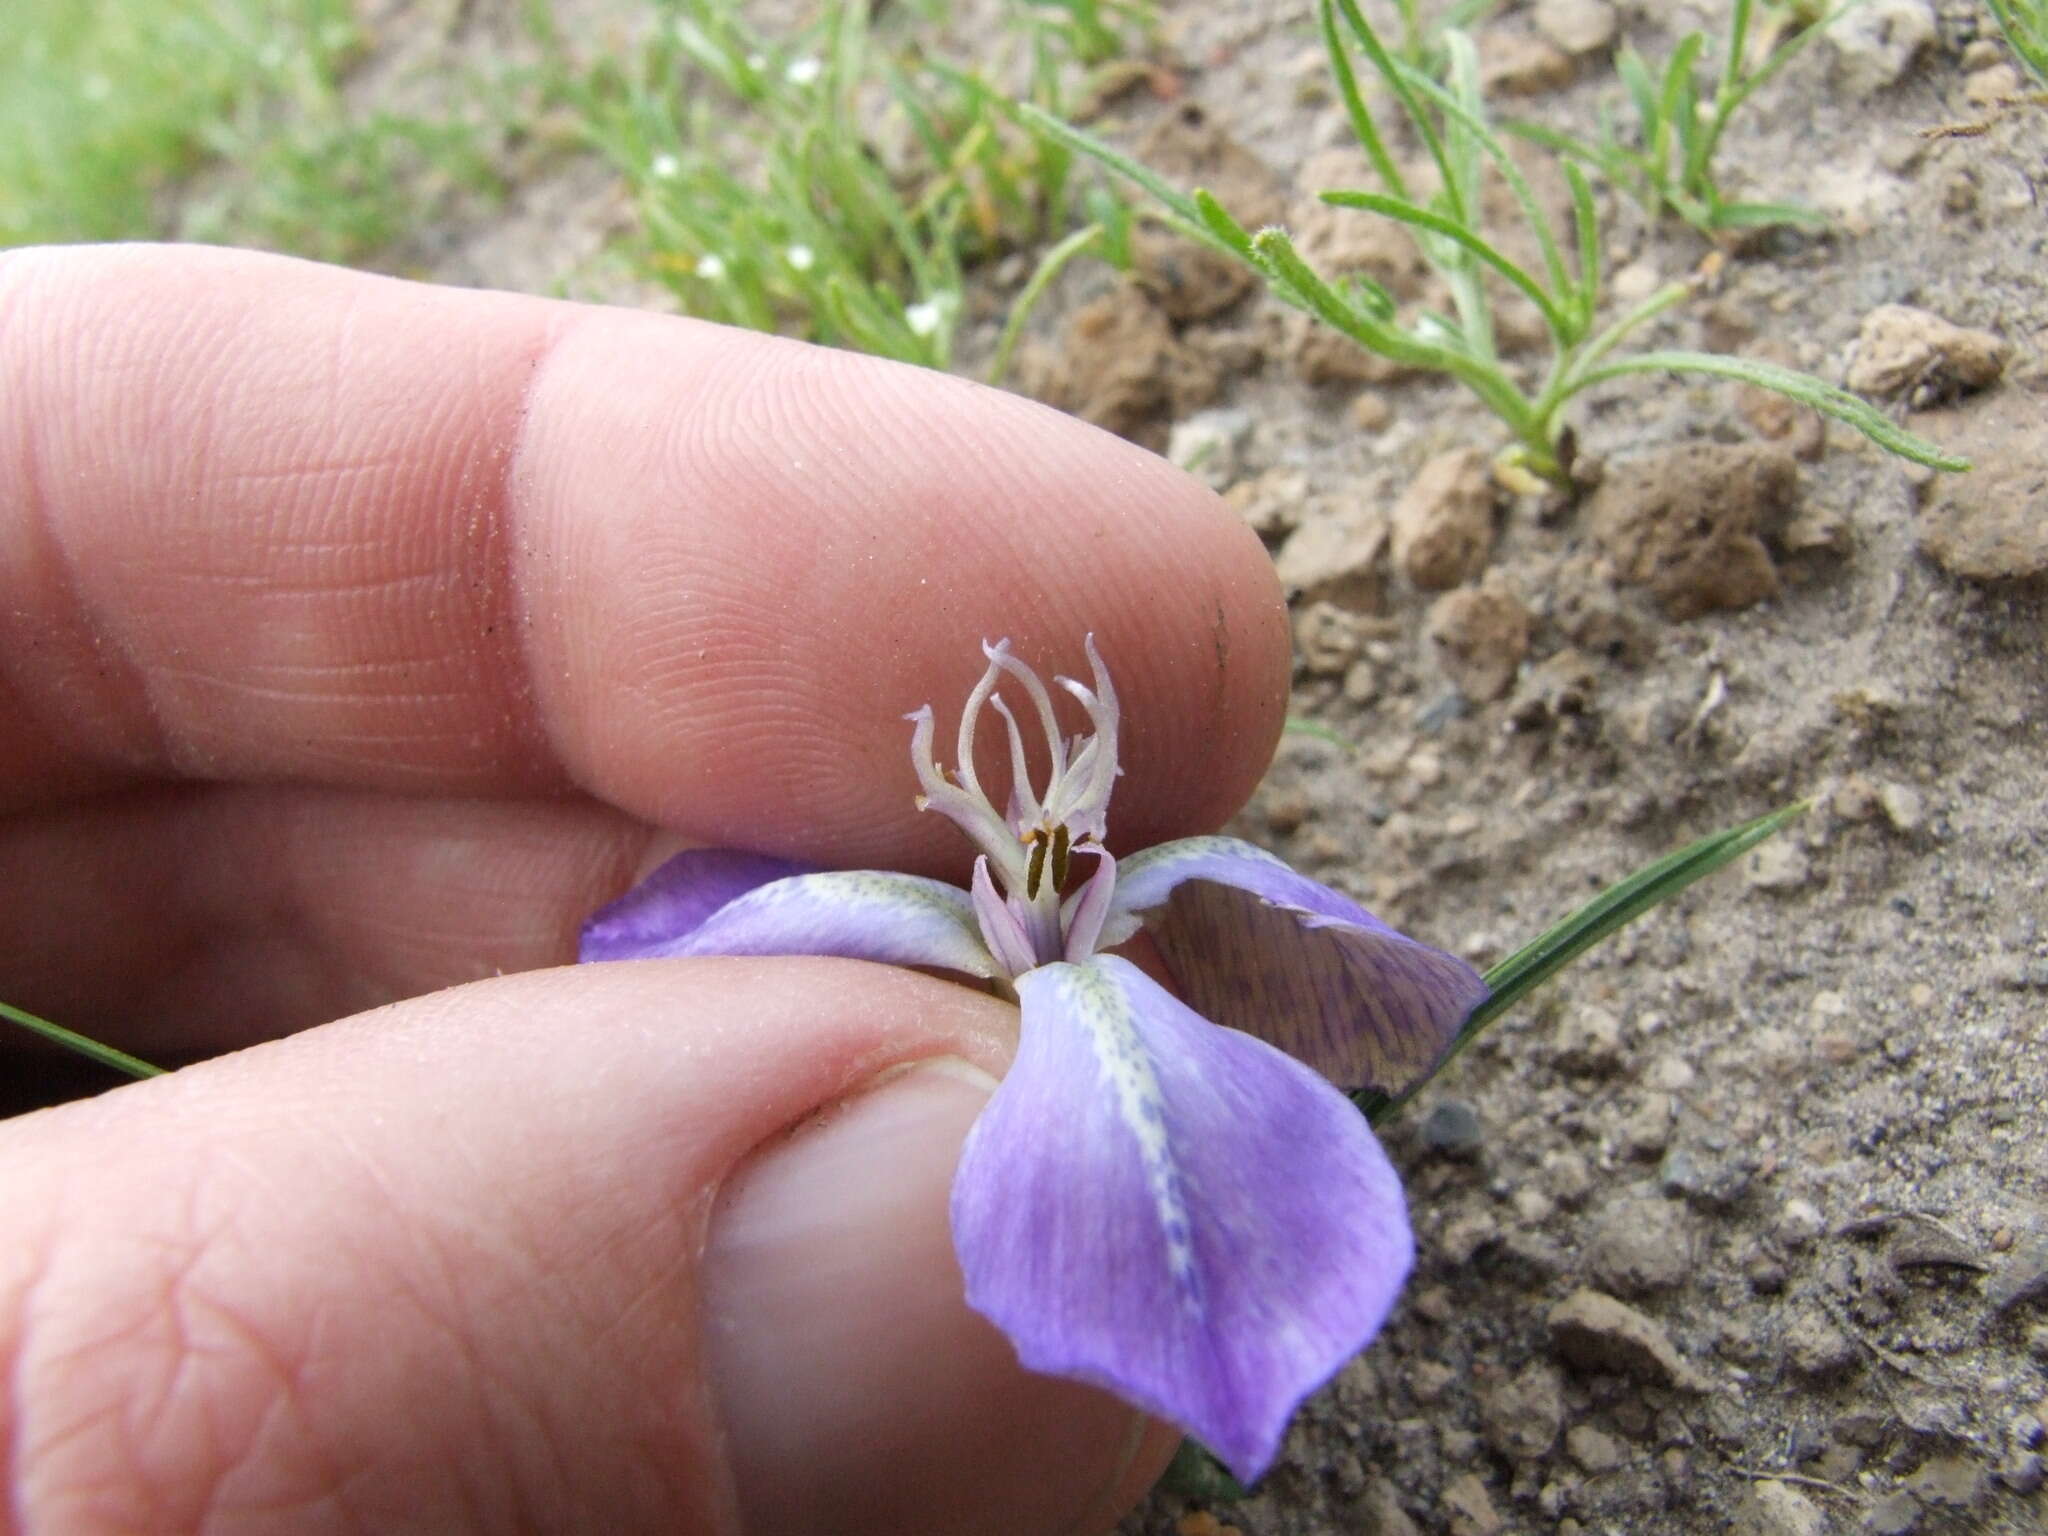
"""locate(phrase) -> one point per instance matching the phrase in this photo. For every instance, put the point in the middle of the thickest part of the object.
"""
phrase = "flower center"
(1027, 850)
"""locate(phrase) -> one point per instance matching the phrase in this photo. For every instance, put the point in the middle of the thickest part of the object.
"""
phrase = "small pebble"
(1452, 1129)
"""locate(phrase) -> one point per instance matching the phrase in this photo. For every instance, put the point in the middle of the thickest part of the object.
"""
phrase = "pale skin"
(356, 639)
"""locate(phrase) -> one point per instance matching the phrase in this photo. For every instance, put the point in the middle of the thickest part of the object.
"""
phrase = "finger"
(421, 1271)
(183, 919)
(266, 520)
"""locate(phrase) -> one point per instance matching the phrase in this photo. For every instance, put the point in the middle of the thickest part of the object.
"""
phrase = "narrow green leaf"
(1586, 226)
(1398, 77)
(1133, 171)
(71, 1040)
(1363, 128)
(1614, 908)
(1518, 184)
(1301, 725)
(1764, 215)
(1222, 226)
(1807, 390)
(2025, 25)
(1635, 75)
(1049, 267)
(1424, 218)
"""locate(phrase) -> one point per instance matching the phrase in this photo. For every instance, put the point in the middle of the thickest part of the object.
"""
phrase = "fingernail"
(856, 1389)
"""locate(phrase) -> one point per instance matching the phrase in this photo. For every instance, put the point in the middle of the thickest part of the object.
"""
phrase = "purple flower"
(1168, 1199)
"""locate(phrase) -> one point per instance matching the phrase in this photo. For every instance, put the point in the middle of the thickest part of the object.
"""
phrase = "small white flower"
(711, 268)
(923, 319)
(803, 71)
(757, 62)
(800, 257)
(665, 168)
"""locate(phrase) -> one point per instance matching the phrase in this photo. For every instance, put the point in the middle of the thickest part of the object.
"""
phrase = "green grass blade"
(1852, 410)
(1186, 217)
(1222, 226)
(1436, 223)
(1489, 142)
(2025, 25)
(1049, 267)
(1398, 77)
(1363, 128)
(1635, 76)
(1301, 725)
(1765, 215)
(71, 1040)
(1586, 228)
(1614, 908)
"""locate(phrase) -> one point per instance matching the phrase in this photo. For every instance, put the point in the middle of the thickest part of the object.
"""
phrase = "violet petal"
(672, 902)
(1176, 1212)
(1253, 945)
(859, 914)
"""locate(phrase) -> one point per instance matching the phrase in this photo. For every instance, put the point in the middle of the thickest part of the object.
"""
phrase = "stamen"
(1059, 856)
(1037, 870)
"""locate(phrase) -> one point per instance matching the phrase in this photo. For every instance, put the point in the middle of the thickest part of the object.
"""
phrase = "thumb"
(565, 1251)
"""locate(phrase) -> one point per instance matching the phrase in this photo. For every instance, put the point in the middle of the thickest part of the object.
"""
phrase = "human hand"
(355, 637)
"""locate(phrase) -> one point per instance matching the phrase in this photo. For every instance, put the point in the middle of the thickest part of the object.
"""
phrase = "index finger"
(263, 520)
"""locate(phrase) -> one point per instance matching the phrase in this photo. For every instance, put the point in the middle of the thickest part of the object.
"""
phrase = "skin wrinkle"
(40, 519)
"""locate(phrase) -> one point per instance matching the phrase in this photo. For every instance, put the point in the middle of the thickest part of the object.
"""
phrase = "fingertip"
(855, 1391)
(823, 540)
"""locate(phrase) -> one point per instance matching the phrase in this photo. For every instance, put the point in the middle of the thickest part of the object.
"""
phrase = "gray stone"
(1589, 1040)
(1710, 1183)
(2022, 1275)
(1779, 866)
(1877, 42)
(1335, 556)
(1900, 349)
(1208, 443)
(1452, 1129)
(1577, 26)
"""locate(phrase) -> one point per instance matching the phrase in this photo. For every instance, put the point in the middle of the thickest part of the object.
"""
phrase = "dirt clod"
(1640, 1246)
(1443, 521)
(1336, 557)
(1522, 1416)
(1900, 349)
(1122, 367)
(1992, 523)
(1772, 1508)
(1591, 1331)
(1689, 523)
(1480, 635)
